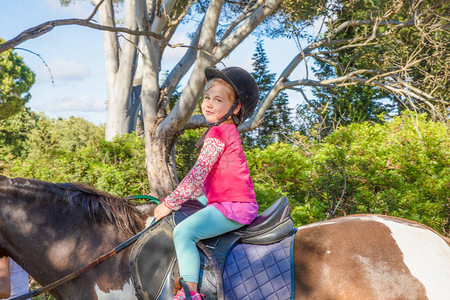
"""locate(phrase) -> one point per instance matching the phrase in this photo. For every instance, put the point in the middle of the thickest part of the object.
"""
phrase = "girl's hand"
(161, 211)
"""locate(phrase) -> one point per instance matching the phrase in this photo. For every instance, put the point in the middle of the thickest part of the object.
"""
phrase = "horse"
(52, 229)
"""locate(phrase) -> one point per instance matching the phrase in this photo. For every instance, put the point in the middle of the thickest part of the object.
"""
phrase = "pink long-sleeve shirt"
(221, 172)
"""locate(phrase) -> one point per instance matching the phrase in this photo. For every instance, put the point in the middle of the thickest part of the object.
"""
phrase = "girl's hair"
(229, 90)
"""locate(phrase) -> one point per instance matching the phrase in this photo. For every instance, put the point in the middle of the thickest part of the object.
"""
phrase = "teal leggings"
(207, 222)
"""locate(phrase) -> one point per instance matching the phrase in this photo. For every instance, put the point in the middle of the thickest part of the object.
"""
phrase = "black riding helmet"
(246, 90)
(244, 85)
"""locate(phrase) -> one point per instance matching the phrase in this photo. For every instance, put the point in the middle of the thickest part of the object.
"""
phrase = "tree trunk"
(120, 61)
(160, 162)
(119, 120)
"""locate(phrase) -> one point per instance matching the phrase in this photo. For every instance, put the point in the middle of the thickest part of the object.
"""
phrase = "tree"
(399, 50)
(276, 123)
(403, 53)
(148, 27)
(72, 150)
(16, 80)
(377, 25)
(333, 107)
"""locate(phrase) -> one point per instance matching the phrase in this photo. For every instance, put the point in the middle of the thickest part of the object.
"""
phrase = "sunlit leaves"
(400, 168)
(16, 80)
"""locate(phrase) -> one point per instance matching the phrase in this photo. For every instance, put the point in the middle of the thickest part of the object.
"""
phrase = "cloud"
(68, 70)
(71, 105)
(81, 104)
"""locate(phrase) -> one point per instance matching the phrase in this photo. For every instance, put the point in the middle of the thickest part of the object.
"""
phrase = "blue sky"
(76, 59)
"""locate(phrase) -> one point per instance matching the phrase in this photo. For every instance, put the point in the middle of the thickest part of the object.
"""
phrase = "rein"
(96, 261)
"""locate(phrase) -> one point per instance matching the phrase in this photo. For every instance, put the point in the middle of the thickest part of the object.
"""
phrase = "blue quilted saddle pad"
(256, 272)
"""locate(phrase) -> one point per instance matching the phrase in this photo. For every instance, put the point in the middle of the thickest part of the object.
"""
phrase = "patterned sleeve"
(192, 185)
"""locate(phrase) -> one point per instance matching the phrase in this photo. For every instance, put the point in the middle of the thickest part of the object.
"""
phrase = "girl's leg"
(207, 222)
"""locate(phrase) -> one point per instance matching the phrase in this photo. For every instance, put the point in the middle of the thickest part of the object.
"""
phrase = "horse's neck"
(146, 211)
(45, 228)
(49, 246)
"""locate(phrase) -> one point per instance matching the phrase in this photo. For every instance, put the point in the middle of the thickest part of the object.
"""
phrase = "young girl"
(221, 172)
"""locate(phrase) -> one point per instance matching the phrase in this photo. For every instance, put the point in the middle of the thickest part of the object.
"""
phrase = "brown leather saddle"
(153, 265)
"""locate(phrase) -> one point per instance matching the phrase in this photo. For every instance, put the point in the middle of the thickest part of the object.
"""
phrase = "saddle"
(153, 265)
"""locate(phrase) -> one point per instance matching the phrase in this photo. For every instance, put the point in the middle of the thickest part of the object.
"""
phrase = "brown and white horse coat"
(371, 257)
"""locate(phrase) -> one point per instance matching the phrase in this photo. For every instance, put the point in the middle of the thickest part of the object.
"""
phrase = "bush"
(14, 133)
(74, 150)
(400, 168)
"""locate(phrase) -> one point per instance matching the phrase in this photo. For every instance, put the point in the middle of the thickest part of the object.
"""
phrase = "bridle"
(96, 261)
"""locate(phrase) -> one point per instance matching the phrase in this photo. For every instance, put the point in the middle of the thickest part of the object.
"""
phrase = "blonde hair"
(229, 90)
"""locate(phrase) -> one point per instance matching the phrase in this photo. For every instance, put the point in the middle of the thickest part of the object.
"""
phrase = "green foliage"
(333, 107)
(185, 151)
(400, 168)
(16, 80)
(303, 10)
(14, 135)
(285, 170)
(419, 53)
(74, 150)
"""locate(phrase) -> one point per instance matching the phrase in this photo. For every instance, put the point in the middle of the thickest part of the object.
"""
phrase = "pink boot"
(180, 295)
(196, 296)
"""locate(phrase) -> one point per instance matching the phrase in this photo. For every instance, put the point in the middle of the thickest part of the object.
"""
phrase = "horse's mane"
(95, 206)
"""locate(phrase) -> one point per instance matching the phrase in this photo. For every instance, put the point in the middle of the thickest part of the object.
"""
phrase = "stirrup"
(176, 285)
(181, 284)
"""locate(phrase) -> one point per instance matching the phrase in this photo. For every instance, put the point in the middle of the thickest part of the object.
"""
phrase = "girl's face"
(216, 102)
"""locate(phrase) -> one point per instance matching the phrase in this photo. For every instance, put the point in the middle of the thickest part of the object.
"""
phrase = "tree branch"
(349, 79)
(43, 61)
(233, 40)
(196, 121)
(46, 27)
(244, 15)
(180, 69)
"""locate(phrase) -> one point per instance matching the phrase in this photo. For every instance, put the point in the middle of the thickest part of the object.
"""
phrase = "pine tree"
(277, 123)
